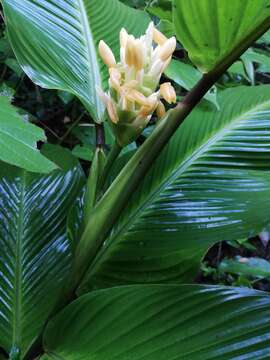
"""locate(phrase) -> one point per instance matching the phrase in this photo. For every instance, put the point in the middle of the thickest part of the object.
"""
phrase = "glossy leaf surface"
(211, 183)
(35, 253)
(18, 140)
(211, 29)
(188, 322)
(56, 42)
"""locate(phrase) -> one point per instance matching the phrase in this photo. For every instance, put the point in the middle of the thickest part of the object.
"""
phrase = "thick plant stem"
(113, 154)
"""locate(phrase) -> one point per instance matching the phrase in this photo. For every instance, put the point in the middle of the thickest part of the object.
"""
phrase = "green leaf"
(35, 252)
(255, 267)
(211, 183)
(188, 322)
(211, 30)
(60, 156)
(56, 42)
(18, 140)
(83, 152)
(187, 76)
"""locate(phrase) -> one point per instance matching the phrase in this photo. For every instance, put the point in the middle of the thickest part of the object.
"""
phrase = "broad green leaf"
(188, 322)
(35, 252)
(56, 42)
(211, 183)
(187, 76)
(211, 30)
(18, 140)
(255, 267)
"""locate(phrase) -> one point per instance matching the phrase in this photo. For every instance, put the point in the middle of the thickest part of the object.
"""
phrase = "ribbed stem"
(113, 155)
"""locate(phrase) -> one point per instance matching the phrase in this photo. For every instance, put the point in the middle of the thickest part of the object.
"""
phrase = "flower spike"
(133, 94)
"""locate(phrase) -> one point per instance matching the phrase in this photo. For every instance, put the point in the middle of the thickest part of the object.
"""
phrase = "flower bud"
(160, 110)
(123, 37)
(138, 55)
(111, 108)
(168, 93)
(158, 37)
(115, 78)
(103, 96)
(129, 52)
(166, 63)
(145, 111)
(156, 68)
(150, 106)
(149, 35)
(106, 54)
(127, 105)
(167, 49)
(135, 95)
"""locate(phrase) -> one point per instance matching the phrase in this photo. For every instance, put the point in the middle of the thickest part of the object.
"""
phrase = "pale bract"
(134, 93)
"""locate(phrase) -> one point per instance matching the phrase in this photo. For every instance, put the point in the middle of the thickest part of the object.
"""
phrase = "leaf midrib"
(16, 338)
(179, 171)
(91, 53)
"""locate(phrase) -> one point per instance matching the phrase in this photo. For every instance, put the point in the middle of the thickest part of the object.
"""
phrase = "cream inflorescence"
(133, 94)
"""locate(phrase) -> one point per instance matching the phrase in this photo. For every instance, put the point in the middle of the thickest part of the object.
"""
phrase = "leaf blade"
(18, 140)
(35, 254)
(202, 189)
(162, 322)
(209, 40)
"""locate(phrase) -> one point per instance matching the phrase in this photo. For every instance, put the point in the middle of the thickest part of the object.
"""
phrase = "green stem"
(95, 172)
(113, 154)
(92, 185)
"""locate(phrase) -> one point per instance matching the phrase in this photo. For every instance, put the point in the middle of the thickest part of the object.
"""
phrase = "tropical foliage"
(107, 216)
